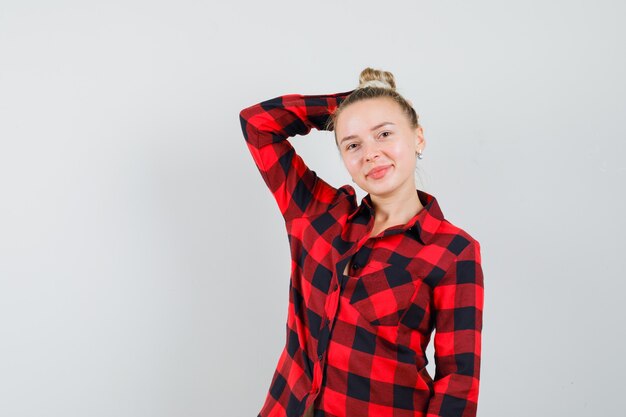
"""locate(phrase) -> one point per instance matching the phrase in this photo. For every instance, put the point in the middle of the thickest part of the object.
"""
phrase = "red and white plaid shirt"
(355, 344)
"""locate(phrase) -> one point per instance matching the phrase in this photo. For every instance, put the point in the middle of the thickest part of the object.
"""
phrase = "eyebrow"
(378, 126)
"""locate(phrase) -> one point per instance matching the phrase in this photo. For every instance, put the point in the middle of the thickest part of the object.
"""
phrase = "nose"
(371, 151)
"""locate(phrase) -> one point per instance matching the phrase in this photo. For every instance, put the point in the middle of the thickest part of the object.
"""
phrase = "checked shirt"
(355, 343)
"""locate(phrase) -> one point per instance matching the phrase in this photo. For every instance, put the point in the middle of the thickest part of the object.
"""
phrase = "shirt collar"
(423, 225)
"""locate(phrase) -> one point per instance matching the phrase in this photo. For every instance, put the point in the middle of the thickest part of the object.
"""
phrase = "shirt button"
(355, 266)
(319, 357)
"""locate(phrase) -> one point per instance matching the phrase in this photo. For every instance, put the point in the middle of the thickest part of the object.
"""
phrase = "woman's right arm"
(267, 126)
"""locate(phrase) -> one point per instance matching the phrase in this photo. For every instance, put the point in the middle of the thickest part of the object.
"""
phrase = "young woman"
(371, 281)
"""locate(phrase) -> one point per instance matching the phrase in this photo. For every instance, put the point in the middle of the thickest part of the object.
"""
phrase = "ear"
(420, 142)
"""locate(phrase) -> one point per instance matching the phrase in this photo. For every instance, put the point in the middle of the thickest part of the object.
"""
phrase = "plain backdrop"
(144, 266)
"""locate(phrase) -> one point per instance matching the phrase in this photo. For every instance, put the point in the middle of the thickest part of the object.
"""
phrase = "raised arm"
(458, 302)
(266, 127)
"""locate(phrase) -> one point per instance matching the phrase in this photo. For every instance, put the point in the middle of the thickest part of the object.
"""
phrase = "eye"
(348, 147)
(385, 134)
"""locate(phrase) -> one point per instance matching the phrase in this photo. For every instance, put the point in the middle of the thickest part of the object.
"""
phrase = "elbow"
(244, 121)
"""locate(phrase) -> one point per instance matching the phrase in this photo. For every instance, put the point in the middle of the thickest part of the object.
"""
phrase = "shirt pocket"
(382, 296)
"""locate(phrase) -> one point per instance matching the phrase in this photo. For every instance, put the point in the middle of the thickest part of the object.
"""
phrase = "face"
(378, 145)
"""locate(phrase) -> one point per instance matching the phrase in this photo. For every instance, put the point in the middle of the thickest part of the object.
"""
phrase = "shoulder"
(456, 239)
(343, 200)
(340, 204)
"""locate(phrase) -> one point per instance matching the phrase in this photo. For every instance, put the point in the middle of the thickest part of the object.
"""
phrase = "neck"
(397, 208)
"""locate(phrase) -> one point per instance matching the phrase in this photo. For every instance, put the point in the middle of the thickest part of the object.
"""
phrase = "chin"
(380, 190)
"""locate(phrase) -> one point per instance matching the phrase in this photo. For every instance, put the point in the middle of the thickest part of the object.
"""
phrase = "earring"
(419, 155)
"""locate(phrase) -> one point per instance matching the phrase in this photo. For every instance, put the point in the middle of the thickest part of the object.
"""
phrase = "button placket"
(332, 301)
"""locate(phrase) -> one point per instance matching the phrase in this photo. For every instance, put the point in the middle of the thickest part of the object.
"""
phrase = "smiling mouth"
(378, 173)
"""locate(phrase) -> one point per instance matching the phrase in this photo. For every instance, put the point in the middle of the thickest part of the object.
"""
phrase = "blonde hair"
(375, 83)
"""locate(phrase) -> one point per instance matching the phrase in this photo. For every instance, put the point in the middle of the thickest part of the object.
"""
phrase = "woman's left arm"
(458, 303)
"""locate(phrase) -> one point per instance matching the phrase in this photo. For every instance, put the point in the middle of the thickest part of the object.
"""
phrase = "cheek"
(352, 163)
(402, 151)
(400, 146)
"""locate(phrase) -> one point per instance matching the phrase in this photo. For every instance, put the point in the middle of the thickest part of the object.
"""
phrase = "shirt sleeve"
(267, 126)
(458, 303)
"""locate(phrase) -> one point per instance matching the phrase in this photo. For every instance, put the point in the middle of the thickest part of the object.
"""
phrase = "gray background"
(144, 266)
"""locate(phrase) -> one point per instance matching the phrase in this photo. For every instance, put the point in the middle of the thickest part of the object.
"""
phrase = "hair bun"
(371, 77)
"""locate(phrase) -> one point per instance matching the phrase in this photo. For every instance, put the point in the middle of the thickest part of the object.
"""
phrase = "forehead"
(364, 114)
